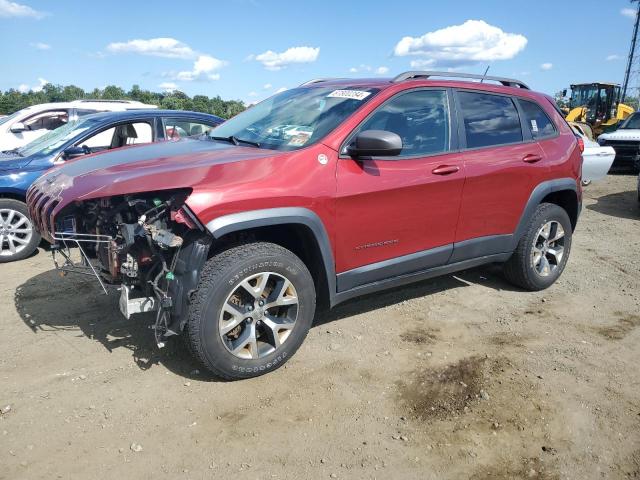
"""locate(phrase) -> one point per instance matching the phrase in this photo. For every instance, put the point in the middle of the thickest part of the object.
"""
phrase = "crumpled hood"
(621, 134)
(143, 168)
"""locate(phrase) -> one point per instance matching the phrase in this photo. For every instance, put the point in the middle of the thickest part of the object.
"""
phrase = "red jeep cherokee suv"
(324, 192)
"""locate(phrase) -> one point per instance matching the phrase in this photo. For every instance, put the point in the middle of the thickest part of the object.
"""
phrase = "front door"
(399, 214)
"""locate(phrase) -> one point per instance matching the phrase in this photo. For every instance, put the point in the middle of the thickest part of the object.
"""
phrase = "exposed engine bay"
(149, 244)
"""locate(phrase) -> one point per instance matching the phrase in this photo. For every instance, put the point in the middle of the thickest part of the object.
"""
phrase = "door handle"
(445, 169)
(531, 158)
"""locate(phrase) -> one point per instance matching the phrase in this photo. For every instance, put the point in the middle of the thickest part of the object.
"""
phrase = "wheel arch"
(562, 192)
(297, 229)
(21, 197)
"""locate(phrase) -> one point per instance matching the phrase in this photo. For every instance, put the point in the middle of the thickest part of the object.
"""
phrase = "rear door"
(503, 164)
(399, 214)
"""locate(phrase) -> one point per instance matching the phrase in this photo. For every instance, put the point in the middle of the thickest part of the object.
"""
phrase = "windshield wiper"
(236, 141)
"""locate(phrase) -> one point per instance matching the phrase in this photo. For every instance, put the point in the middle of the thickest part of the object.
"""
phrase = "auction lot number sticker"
(350, 94)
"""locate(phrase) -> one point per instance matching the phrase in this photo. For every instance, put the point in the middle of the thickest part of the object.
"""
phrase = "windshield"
(295, 118)
(583, 96)
(633, 122)
(54, 139)
(9, 117)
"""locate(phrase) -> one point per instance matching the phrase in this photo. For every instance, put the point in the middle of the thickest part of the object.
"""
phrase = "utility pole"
(633, 62)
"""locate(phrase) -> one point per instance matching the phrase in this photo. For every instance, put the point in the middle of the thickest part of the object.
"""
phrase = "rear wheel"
(18, 238)
(251, 311)
(543, 250)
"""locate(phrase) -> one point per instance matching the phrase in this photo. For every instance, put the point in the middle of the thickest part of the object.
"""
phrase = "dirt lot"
(457, 377)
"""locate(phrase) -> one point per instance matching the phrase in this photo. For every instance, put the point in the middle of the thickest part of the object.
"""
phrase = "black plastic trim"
(394, 267)
(236, 222)
(418, 276)
(481, 247)
(536, 197)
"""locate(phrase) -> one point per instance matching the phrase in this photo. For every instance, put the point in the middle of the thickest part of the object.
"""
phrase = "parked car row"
(28, 124)
(321, 193)
(83, 135)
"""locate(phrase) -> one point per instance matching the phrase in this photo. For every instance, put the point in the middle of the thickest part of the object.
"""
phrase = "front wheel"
(18, 238)
(251, 311)
(543, 250)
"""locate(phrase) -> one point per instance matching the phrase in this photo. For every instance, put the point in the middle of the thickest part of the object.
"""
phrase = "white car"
(626, 142)
(26, 125)
(596, 160)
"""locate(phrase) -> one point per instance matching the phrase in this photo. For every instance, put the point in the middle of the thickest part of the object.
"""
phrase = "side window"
(120, 136)
(420, 118)
(489, 119)
(100, 140)
(539, 123)
(47, 120)
(176, 128)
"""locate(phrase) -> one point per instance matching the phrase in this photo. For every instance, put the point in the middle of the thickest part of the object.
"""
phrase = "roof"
(145, 113)
(613, 84)
(428, 77)
(112, 105)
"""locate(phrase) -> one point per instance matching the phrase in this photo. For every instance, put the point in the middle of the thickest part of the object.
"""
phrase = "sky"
(249, 49)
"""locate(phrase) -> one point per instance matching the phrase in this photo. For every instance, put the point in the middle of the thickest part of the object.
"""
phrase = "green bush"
(13, 100)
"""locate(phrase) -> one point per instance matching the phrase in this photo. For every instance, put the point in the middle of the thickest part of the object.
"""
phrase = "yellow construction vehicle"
(597, 105)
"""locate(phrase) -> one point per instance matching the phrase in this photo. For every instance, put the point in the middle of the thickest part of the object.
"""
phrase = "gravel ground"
(458, 377)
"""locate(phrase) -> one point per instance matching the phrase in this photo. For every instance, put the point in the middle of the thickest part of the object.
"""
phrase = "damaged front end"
(150, 244)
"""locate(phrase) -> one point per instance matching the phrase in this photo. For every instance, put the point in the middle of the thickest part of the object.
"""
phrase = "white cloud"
(362, 68)
(12, 9)
(546, 66)
(157, 47)
(40, 45)
(611, 58)
(282, 89)
(168, 86)
(253, 94)
(267, 86)
(629, 12)
(24, 88)
(204, 68)
(473, 41)
(277, 61)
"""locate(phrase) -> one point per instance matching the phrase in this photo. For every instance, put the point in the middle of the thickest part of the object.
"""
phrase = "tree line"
(13, 100)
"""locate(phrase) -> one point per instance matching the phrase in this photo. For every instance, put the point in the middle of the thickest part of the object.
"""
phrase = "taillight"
(581, 144)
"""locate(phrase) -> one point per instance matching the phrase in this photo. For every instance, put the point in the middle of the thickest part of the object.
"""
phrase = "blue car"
(99, 132)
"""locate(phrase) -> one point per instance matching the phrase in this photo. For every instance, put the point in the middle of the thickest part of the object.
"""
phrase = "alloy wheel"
(548, 248)
(259, 315)
(16, 231)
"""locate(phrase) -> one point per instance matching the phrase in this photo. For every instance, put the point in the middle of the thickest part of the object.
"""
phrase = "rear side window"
(539, 123)
(420, 118)
(489, 119)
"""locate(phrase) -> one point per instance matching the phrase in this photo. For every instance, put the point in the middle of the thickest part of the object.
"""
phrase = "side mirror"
(73, 152)
(18, 127)
(375, 143)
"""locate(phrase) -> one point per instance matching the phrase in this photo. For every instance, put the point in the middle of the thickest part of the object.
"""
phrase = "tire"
(526, 268)
(18, 238)
(226, 280)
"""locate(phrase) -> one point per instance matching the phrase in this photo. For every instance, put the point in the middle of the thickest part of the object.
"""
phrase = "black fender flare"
(237, 222)
(535, 199)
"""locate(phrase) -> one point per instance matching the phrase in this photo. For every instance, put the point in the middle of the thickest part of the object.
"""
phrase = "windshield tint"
(633, 122)
(54, 139)
(295, 118)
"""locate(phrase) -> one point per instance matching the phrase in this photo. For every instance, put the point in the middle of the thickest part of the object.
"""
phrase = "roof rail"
(507, 82)
(319, 80)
